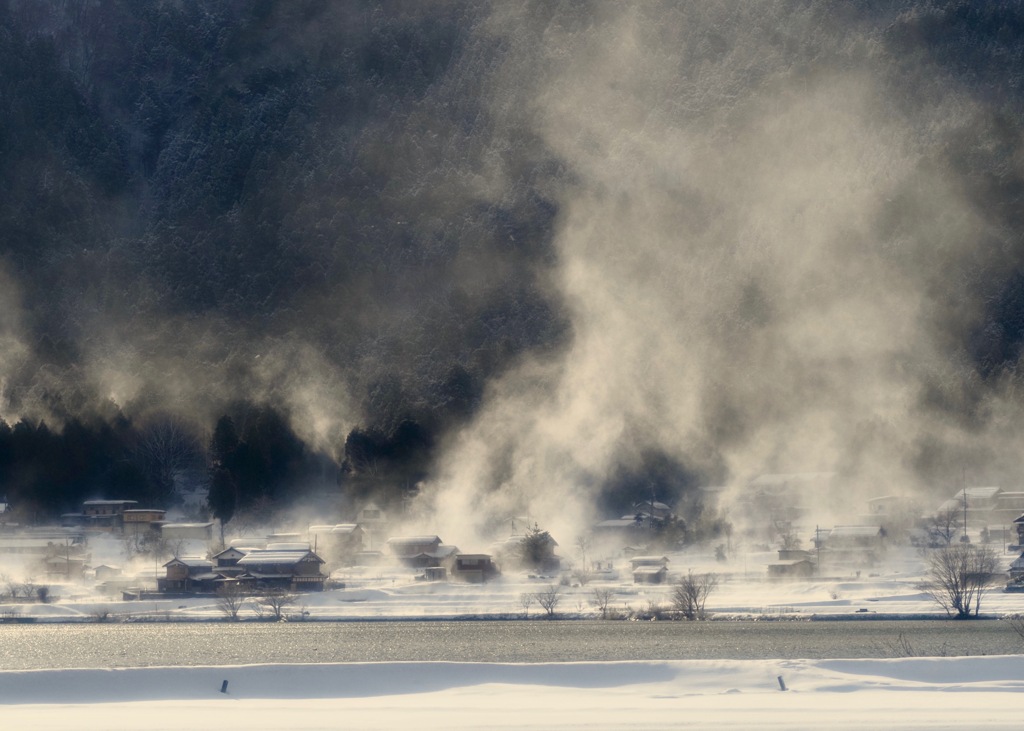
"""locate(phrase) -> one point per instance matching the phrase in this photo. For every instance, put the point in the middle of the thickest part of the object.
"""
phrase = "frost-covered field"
(921, 693)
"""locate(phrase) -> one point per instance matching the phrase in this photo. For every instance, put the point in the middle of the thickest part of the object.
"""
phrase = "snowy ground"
(380, 593)
(917, 693)
(920, 693)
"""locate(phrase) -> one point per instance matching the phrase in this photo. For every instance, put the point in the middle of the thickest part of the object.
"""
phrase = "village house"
(338, 544)
(42, 542)
(187, 575)
(280, 566)
(620, 531)
(139, 521)
(191, 538)
(67, 567)
(374, 522)
(283, 566)
(793, 563)
(533, 551)
(649, 569)
(474, 568)
(421, 552)
(105, 515)
(104, 572)
(850, 546)
(985, 506)
(1018, 525)
(1008, 506)
(225, 563)
(648, 518)
(187, 531)
(1017, 567)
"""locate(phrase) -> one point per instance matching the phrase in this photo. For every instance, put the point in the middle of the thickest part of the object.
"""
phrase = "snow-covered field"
(920, 693)
(380, 593)
(912, 693)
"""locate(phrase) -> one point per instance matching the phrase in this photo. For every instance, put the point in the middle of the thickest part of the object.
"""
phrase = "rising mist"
(568, 241)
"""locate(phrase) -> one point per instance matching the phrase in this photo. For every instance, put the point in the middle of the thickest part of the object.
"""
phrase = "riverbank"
(824, 695)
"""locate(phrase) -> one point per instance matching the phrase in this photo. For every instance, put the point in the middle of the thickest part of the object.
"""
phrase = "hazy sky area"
(590, 248)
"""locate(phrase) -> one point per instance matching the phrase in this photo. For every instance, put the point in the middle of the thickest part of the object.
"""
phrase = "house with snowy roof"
(649, 569)
(421, 552)
(226, 562)
(474, 568)
(186, 575)
(282, 566)
(338, 544)
(105, 515)
(850, 546)
(793, 563)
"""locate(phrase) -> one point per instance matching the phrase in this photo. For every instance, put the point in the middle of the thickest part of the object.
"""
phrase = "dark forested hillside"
(221, 201)
(347, 223)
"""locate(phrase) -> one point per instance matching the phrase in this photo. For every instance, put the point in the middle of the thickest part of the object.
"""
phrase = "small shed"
(474, 568)
(649, 569)
(794, 568)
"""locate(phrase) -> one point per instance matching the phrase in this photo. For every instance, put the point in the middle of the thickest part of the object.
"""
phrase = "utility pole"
(817, 548)
(963, 483)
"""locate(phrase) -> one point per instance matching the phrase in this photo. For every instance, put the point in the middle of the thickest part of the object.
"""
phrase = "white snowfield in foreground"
(918, 693)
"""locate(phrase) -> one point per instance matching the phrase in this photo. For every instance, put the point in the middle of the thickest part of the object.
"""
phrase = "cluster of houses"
(648, 519)
(988, 515)
(303, 562)
(124, 517)
(296, 567)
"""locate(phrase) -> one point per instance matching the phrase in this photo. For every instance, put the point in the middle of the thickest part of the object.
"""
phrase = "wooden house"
(225, 563)
(103, 572)
(649, 569)
(793, 563)
(421, 552)
(338, 544)
(106, 515)
(291, 569)
(474, 568)
(187, 574)
(850, 546)
(187, 531)
(137, 521)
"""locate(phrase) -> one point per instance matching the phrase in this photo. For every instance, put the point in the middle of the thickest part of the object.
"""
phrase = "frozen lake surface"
(28, 647)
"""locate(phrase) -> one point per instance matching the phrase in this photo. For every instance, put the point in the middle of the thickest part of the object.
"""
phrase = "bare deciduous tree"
(692, 592)
(101, 613)
(1017, 624)
(548, 599)
(583, 544)
(274, 602)
(231, 598)
(525, 600)
(602, 599)
(944, 525)
(958, 577)
(581, 576)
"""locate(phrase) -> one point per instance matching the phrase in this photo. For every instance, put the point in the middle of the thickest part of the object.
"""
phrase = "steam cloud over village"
(639, 310)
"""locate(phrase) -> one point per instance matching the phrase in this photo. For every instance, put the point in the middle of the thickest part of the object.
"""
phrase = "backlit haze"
(593, 250)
